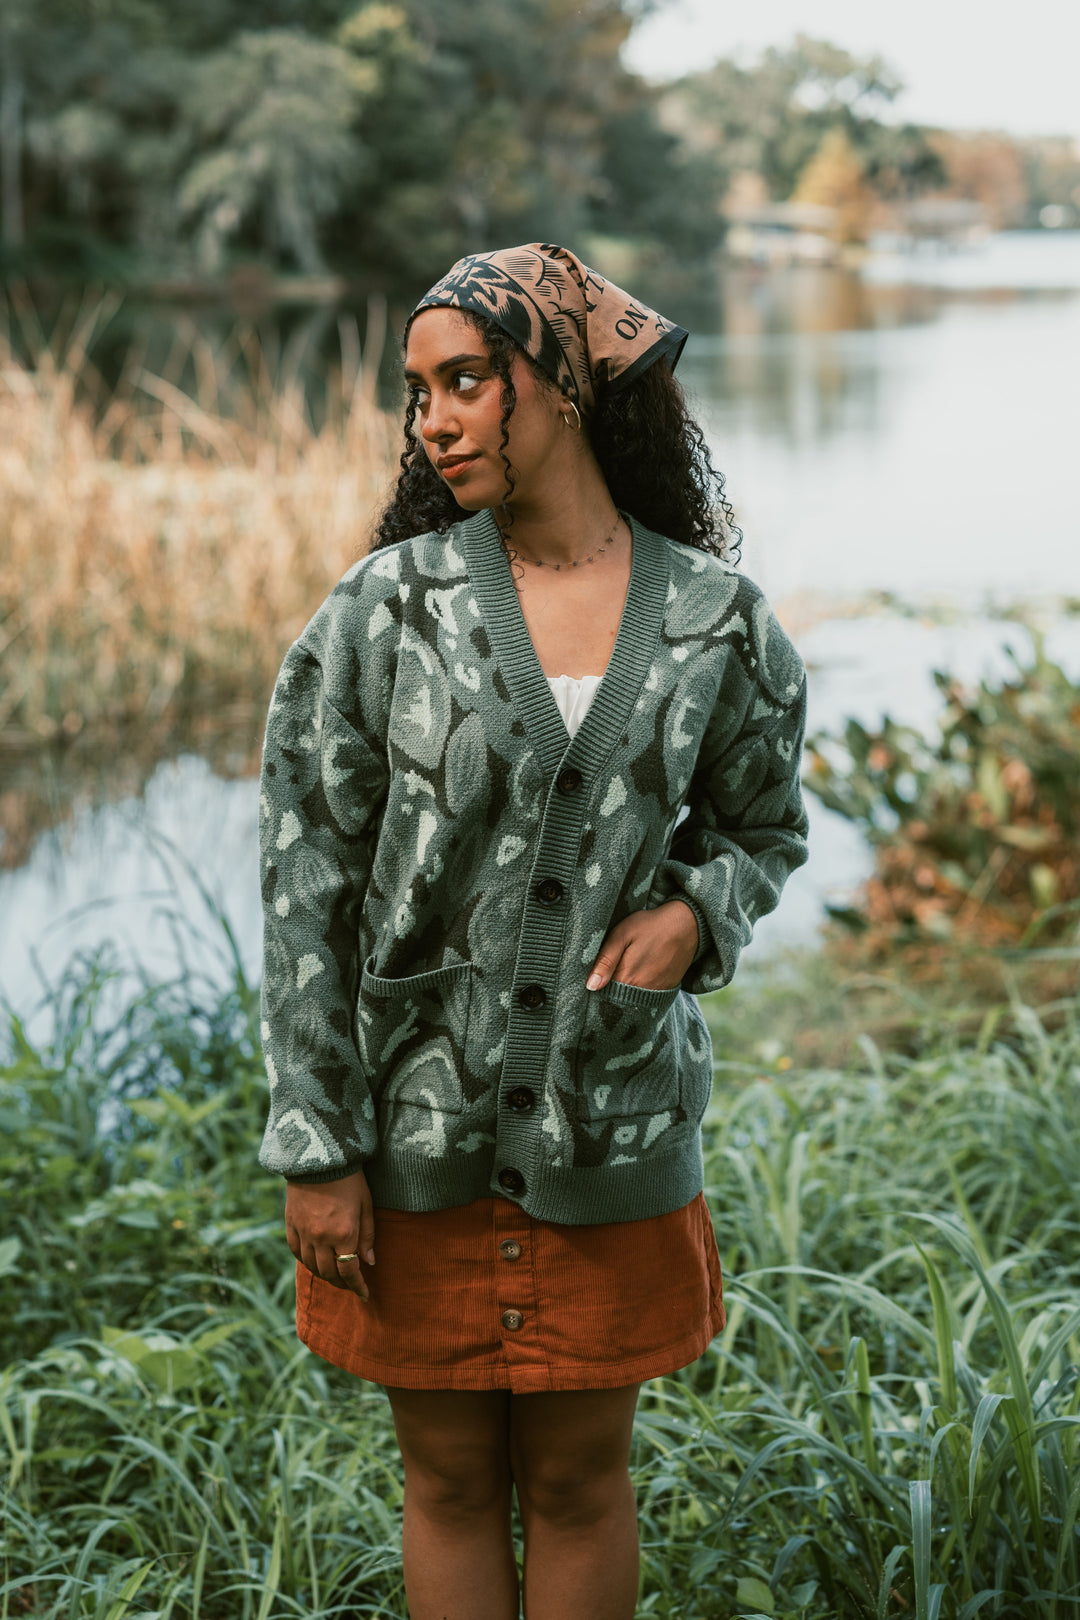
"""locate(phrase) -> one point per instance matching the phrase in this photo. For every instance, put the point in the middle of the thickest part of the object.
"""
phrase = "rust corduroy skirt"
(485, 1297)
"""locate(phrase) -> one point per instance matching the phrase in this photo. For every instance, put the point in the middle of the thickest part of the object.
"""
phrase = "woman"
(486, 925)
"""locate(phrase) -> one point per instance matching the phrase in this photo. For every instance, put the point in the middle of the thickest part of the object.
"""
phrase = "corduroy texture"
(441, 863)
(599, 1306)
(581, 329)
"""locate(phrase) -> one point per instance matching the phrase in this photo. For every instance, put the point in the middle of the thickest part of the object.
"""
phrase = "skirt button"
(509, 1249)
(511, 1320)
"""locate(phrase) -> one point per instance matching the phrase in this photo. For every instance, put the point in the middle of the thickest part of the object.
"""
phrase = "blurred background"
(213, 220)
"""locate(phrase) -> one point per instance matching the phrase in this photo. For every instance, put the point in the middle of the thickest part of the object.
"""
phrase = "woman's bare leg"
(570, 1454)
(457, 1544)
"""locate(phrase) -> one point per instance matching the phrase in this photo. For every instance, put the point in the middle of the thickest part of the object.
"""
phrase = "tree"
(1052, 175)
(772, 116)
(386, 138)
(834, 179)
(77, 141)
(29, 33)
(274, 114)
(987, 168)
(71, 73)
(12, 96)
(491, 123)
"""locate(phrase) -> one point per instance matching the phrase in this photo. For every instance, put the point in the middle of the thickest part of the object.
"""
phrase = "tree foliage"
(272, 113)
(771, 117)
(379, 139)
(835, 178)
(383, 138)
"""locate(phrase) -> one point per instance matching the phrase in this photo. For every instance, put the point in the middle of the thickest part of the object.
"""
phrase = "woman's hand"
(652, 949)
(328, 1219)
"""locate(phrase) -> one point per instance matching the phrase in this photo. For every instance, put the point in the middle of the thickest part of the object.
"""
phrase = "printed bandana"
(581, 329)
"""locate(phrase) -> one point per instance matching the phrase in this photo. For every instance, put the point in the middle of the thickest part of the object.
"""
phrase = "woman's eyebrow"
(447, 365)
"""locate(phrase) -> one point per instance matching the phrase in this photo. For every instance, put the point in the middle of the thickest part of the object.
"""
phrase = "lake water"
(913, 437)
(924, 458)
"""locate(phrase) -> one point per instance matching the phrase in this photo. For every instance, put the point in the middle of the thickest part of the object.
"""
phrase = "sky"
(966, 64)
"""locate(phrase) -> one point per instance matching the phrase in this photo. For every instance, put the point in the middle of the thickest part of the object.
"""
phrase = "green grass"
(886, 1427)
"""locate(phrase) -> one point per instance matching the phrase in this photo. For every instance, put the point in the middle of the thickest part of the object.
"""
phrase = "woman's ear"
(570, 414)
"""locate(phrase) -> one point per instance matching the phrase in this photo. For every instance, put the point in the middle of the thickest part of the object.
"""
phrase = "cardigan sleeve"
(744, 836)
(323, 784)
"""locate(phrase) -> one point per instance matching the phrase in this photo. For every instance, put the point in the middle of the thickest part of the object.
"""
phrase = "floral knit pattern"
(441, 863)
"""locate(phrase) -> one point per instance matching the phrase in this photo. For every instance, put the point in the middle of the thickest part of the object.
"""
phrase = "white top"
(573, 695)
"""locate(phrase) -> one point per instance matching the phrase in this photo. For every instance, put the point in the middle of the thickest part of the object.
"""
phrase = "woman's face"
(459, 411)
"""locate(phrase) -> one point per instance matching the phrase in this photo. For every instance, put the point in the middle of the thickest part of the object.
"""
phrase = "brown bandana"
(581, 329)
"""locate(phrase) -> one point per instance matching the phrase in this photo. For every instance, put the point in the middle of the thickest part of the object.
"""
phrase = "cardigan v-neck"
(631, 656)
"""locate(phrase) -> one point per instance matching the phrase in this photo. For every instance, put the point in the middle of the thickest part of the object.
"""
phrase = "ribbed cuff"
(704, 937)
(319, 1177)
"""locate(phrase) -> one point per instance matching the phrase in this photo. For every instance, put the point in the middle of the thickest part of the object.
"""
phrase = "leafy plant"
(976, 831)
(886, 1427)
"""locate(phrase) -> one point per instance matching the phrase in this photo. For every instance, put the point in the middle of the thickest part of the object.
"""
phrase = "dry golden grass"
(161, 545)
(161, 548)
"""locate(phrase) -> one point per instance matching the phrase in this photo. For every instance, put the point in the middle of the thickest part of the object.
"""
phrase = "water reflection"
(128, 871)
(790, 386)
(815, 298)
(907, 439)
(58, 783)
(927, 457)
(144, 874)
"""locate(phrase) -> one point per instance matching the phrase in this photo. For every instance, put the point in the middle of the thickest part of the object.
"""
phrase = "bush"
(977, 831)
(888, 1425)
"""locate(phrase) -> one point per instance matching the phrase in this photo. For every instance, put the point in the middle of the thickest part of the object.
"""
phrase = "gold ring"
(346, 1257)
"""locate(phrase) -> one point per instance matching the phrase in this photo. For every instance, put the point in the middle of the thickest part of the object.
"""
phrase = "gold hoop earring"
(575, 426)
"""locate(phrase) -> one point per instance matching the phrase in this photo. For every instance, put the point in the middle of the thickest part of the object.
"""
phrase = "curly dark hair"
(652, 454)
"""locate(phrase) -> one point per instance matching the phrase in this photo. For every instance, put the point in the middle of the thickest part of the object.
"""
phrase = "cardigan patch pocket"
(627, 1058)
(411, 1035)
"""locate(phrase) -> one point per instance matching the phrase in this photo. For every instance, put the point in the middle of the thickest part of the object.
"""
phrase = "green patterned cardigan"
(440, 863)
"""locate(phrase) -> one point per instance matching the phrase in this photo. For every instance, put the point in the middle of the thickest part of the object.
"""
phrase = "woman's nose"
(440, 422)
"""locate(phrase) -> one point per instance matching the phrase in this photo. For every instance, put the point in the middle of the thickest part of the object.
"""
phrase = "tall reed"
(160, 544)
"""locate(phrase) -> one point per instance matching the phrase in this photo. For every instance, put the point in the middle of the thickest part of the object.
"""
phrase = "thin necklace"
(540, 564)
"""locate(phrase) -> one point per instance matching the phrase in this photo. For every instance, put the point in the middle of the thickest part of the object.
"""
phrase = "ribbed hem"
(623, 1192)
(653, 1185)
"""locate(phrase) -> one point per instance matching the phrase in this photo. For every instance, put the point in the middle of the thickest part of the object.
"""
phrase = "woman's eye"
(462, 382)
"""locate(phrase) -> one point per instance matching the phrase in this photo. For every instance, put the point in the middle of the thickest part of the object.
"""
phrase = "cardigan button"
(532, 995)
(509, 1249)
(512, 1181)
(549, 891)
(568, 781)
(521, 1099)
(511, 1320)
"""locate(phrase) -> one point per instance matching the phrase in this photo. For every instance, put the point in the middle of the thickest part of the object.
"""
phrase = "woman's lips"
(454, 469)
